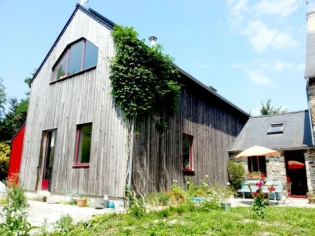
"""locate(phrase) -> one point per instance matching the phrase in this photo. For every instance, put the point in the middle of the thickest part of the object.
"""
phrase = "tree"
(15, 114)
(268, 109)
(3, 98)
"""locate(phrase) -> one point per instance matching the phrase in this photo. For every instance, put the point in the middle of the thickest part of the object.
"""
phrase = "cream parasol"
(257, 151)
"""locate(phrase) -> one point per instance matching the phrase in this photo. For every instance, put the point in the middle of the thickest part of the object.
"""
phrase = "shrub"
(136, 208)
(236, 173)
(14, 216)
(157, 199)
(4, 160)
(177, 195)
(64, 225)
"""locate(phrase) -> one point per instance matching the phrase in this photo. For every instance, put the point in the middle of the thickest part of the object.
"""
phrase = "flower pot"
(226, 206)
(311, 200)
(81, 202)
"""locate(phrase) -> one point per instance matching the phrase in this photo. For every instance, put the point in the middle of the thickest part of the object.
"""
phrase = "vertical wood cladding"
(158, 155)
(83, 98)
(86, 98)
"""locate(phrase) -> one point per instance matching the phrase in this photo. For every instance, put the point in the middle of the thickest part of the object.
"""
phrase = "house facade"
(290, 133)
(77, 141)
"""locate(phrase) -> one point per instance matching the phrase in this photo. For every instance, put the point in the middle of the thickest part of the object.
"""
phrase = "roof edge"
(110, 25)
(210, 90)
(291, 112)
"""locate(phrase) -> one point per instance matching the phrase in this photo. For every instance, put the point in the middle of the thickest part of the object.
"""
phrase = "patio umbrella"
(257, 151)
(294, 165)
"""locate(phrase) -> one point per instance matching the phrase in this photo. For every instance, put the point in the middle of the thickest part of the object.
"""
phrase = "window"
(78, 56)
(187, 152)
(257, 164)
(83, 145)
(276, 128)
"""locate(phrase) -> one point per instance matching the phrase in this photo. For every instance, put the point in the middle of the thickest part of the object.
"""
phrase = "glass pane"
(186, 152)
(60, 69)
(75, 58)
(85, 144)
(91, 54)
(51, 136)
(276, 128)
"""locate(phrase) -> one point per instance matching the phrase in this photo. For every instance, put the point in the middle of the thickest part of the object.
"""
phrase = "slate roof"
(296, 133)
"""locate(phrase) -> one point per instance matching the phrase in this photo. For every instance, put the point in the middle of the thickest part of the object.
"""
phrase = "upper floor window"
(78, 56)
(276, 128)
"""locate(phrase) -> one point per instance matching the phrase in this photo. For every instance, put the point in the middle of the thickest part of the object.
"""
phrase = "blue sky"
(250, 51)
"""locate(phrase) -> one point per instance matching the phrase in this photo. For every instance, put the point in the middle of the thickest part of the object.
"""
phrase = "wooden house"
(77, 140)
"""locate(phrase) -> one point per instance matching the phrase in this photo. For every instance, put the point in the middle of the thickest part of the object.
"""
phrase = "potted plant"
(311, 197)
(81, 202)
(256, 175)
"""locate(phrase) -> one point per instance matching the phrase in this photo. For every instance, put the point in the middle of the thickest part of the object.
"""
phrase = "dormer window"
(78, 56)
(276, 128)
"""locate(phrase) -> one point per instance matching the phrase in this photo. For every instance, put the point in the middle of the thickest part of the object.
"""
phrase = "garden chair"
(287, 191)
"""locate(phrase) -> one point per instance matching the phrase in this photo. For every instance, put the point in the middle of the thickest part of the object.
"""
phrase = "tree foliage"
(14, 116)
(4, 160)
(143, 79)
(3, 98)
(268, 109)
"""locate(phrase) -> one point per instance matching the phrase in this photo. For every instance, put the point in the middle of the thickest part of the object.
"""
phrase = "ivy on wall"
(143, 79)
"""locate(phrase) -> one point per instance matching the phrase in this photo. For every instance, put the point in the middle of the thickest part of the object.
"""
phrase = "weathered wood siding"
(158, 156)
(63, 105)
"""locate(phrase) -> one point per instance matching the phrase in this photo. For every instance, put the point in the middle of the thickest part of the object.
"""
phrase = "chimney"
(153, 41)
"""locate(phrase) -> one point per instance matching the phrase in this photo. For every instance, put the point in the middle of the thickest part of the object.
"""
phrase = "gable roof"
(110, 25)
(296, 133)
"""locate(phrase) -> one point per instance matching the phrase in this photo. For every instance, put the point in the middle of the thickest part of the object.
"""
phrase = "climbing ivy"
(143, 79)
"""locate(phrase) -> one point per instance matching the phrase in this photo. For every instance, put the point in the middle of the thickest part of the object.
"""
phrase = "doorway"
(297, 173)
(46, 160)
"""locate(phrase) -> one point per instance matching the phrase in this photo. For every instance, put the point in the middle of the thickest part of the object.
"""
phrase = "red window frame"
(67, 53)
(77, 146)
(191, 165)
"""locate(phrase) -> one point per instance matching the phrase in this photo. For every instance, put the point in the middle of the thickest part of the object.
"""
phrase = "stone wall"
(311, 94)
(310, 169)
(275, 167)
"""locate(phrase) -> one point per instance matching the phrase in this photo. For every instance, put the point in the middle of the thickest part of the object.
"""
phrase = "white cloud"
(278, 7)
(255, 75)
(279, 66)
(258, 77)
(261, 37)
(237, 8)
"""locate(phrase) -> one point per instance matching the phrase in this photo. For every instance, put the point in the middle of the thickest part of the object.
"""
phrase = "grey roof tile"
(296, 133)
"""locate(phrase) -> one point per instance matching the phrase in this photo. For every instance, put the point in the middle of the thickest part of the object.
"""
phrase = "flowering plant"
(259, 205)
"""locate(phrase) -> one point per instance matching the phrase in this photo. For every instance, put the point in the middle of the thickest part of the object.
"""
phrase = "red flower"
(256, 194)
(259, 184)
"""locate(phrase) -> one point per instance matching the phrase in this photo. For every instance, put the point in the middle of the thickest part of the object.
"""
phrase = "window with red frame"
(83, 145)
(187, 152)
(78, 56)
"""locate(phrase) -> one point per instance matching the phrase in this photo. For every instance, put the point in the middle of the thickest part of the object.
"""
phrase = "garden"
(173, 212)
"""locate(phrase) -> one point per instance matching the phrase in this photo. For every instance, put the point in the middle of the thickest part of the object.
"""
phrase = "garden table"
(272, 188)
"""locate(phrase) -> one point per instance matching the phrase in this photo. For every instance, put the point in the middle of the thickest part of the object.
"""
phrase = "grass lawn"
(180, 221)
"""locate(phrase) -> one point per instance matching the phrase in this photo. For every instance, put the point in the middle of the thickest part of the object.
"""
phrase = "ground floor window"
(187, 152)
(257, 164)
(83, 145)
